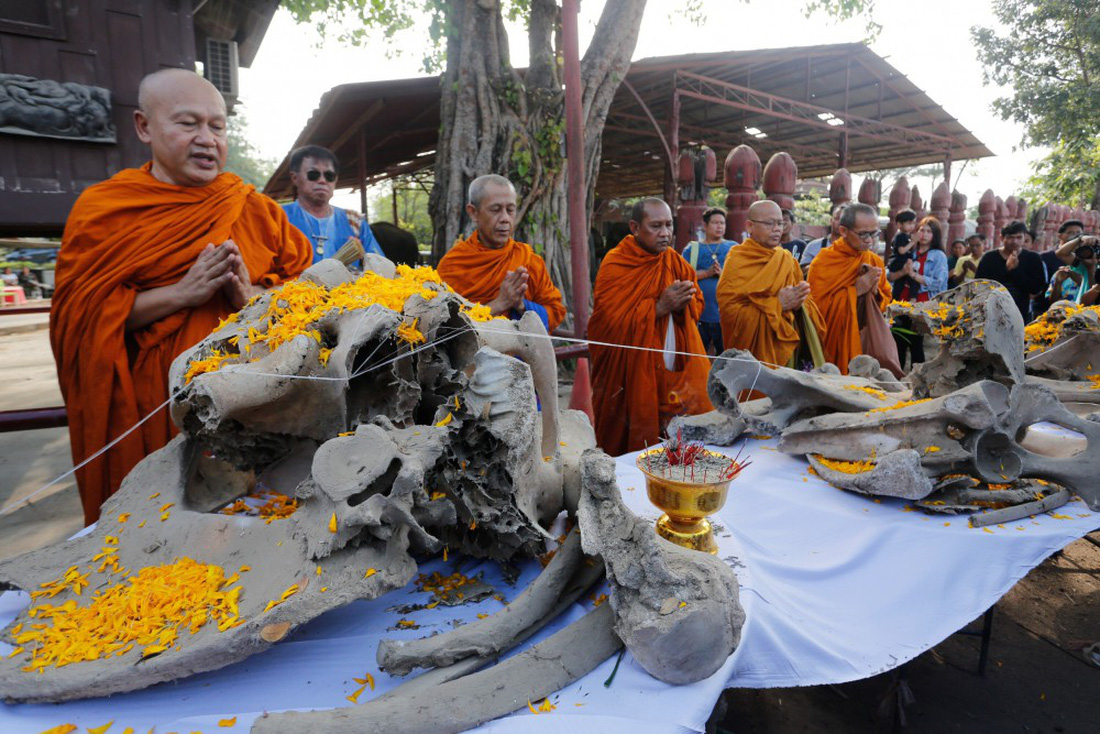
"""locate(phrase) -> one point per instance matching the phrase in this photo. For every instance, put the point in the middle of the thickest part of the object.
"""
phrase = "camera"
(1086, 252)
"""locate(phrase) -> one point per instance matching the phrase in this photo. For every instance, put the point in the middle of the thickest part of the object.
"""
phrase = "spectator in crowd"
(9, 277)
(1076, 279)
(901, 253)
(151, 260)
(958, 249)
(313, 171)
(794, 246)
(1020, 271)
(925, 275)
(762, 295)
(840, 275)
(32, 287)
(1069, 230)
(815, 246)
(967, 265)
(1039, 302)
(645, 296)
(491, 268)
(706, 259)
(905, 222)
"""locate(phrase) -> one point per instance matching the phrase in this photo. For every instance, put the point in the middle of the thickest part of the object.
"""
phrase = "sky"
(929, 42)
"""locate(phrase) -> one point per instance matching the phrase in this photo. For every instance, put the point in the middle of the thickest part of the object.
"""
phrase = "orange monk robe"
(832, 279)
(128, 234)
(476, 272)
(634, 395)
(752, 318)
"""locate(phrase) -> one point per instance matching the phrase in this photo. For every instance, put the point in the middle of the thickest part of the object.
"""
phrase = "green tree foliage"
(1068, 175)
(1049, 55)
(813, 211)
(243, 158)
(412, 207)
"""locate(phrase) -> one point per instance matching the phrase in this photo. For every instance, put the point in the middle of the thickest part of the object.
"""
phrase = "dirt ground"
(1036, 679)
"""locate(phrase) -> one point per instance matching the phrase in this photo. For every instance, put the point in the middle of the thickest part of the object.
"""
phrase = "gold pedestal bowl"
(686, 503)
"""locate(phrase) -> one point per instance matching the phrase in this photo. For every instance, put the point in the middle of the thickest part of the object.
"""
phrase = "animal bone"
(1064, 343)
(276, 553)
(974, 430)
(493, 634)
(473, 699)
(677, 610)
(447, 446)
(791, 394)
(981, 338)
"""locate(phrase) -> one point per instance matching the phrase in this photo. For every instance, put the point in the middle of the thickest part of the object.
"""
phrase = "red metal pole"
(578, 222)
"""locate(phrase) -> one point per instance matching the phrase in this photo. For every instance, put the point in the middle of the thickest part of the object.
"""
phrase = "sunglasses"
(313, 174)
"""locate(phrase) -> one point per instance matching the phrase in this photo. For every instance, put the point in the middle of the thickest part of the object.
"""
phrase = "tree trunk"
(493, 120)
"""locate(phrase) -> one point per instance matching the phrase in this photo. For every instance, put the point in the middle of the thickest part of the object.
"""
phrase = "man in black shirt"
(1018, 270)
(794, 246)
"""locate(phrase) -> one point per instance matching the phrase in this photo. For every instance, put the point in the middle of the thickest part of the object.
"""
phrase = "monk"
(645, 297)
(491, 268)
(150, 260)
(842, 273)
(761, 292)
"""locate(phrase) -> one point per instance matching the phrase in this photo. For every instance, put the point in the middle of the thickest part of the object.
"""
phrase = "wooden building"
(70, 57)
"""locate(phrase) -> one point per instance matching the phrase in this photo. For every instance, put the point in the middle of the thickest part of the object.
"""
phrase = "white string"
(759, 365)
(459, 331)
(368, 368)
(30, 498)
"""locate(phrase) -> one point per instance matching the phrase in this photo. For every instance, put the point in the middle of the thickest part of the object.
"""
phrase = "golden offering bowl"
(686, 504)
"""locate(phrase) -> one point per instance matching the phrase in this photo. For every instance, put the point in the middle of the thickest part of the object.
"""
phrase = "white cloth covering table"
(836, 586)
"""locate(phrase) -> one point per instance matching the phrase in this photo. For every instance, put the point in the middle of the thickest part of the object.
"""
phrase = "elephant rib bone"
(586, 577)
(474, 699)
(491, 635)
(1008, 514)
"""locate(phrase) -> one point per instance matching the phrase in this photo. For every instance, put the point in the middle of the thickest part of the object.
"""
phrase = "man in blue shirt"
(313, 171)
(707, 258)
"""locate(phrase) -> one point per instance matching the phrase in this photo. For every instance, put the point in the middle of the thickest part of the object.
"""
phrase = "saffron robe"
(634, 395)
(832, 279)
(129, 234)
(752, 318)
(476, 272)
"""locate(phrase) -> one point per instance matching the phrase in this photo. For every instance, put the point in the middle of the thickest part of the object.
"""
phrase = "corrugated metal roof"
(802, 99)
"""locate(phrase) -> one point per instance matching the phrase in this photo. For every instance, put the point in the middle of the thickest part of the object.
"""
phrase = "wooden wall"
(106, 43)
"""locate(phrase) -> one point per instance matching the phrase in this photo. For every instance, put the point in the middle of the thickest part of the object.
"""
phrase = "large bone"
(974, 431)
(588, 574)
(448, 447)
(791, 394)
(493, 634)
(677, 610)
(276, 552)
(474, 699)
(981, 339)
(1075, 355)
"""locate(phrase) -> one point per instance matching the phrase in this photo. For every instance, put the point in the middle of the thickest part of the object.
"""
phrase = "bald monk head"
(182, 118)
(651, 225)
(765, 223)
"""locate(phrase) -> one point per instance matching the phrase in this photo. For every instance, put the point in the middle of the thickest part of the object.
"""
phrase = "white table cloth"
(836, 586)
